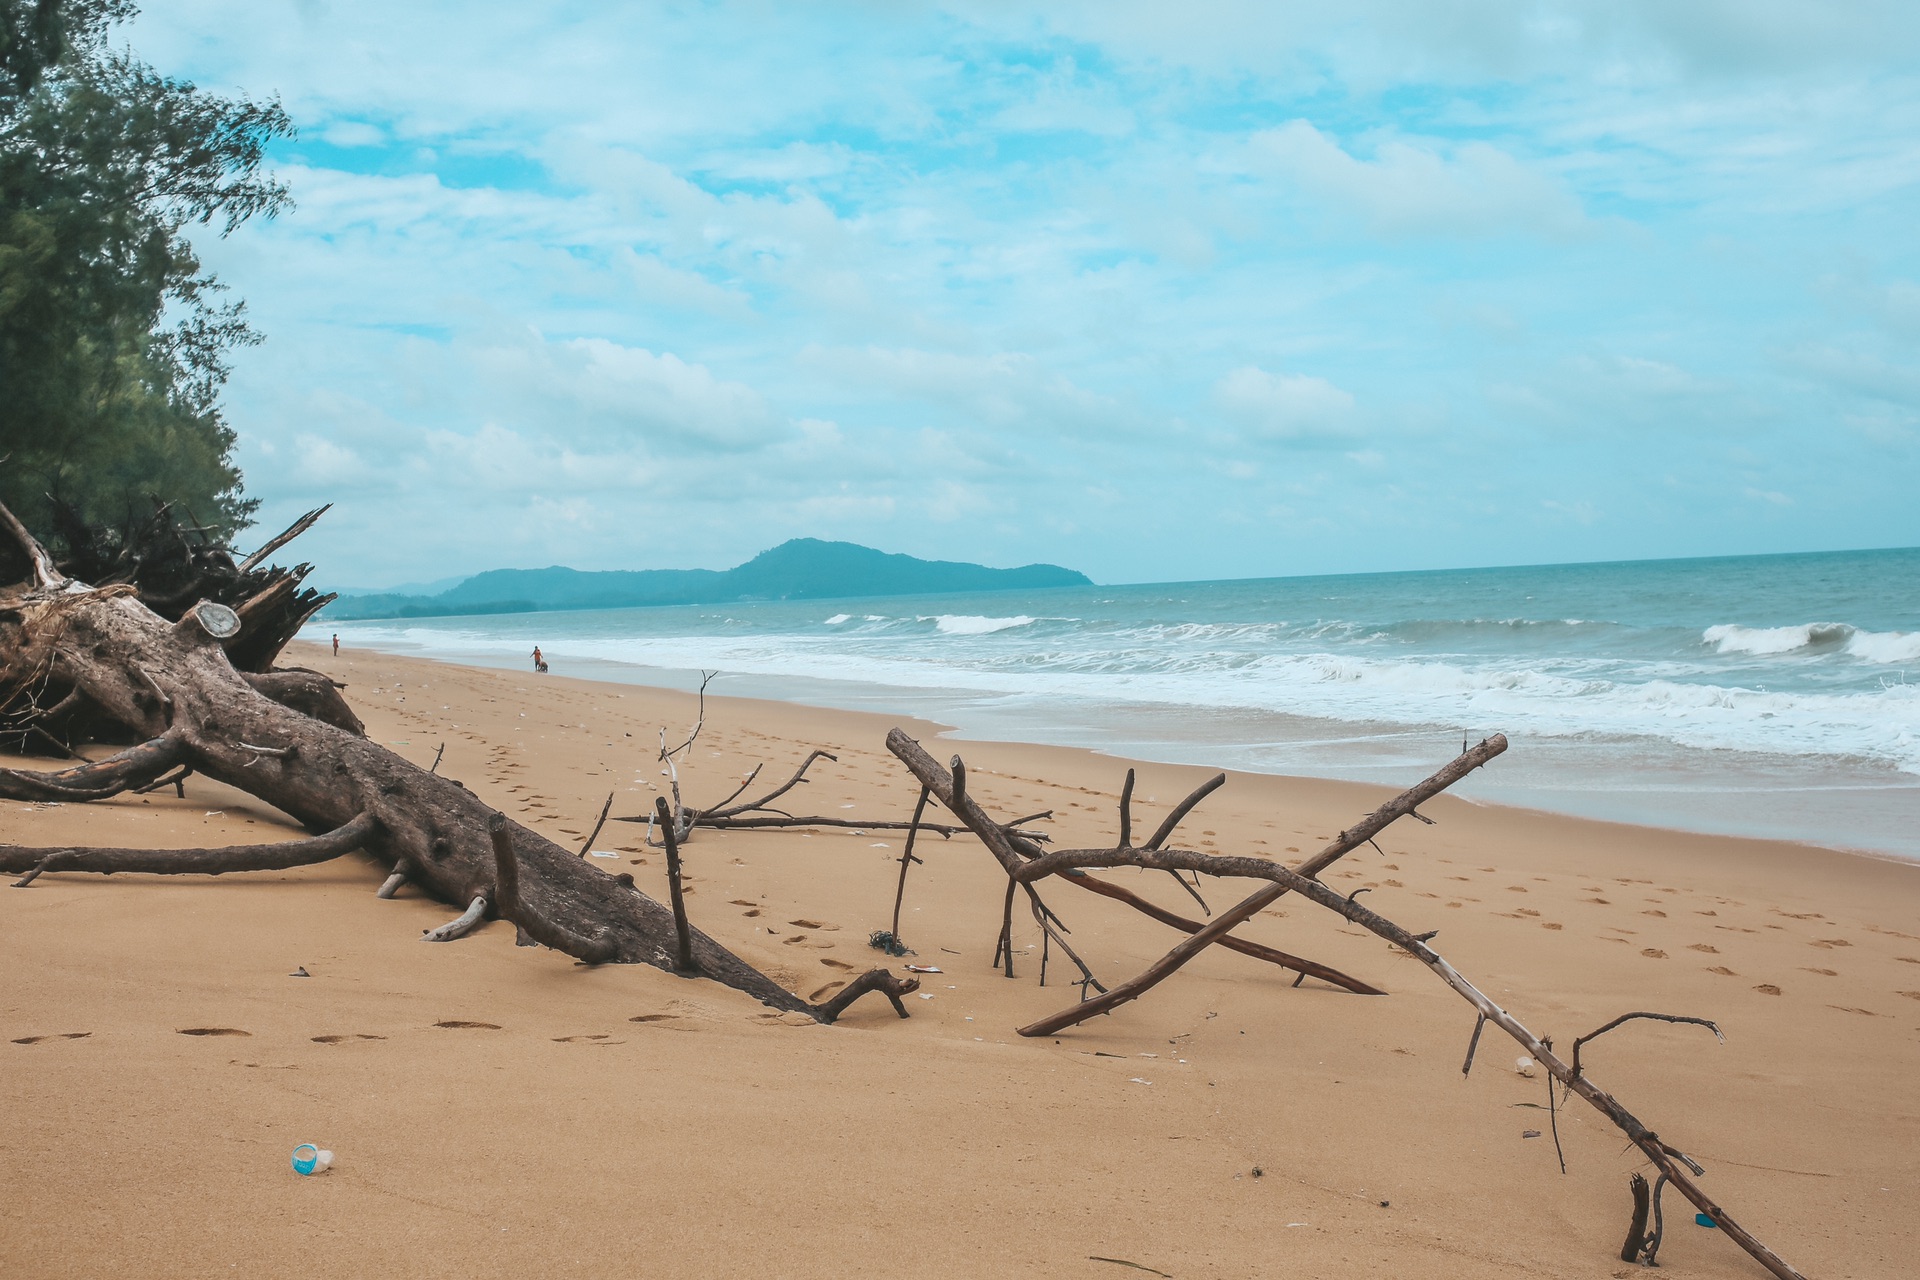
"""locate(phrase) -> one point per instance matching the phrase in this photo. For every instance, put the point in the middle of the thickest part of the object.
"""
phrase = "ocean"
(1774, 696)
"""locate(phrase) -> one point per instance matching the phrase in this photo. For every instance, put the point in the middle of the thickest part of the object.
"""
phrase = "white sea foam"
(838, 618)
(1885, 646)
(963, 624)
(1764, 642)
(1767, 641)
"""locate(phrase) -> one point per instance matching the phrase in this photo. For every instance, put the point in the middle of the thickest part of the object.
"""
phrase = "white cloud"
(1294, 408)
(353, 133)
(1468, 189)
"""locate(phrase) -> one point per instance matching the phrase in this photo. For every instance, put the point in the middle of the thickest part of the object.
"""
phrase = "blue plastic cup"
(309, 1159)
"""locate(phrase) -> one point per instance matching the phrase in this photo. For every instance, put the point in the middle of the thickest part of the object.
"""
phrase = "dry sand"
(502, 1111)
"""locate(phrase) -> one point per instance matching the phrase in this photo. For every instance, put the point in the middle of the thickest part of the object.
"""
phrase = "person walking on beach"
(336, 644)
(539, 663)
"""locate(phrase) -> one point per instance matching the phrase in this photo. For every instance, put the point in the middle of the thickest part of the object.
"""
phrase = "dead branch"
(907, 859)
(391, 885)
(676, 894)
(179, 678)
(344, 839)
(291, 532)
(1657, 1017)
(599, 948)
(1010, 847)
(872, 980)
(461, 925)
(586, 846)
(1185, 807)
(1675, 1165)
(101, 779)
(1348, 840)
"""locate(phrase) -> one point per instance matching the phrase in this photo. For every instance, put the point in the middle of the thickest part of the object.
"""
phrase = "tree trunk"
(289, 740)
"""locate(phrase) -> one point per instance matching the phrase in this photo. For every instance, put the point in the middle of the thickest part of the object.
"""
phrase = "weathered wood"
(280, 540)
(110, 646)
(461, 925)
(100, 779)
(1011, 849)
(586, 846)
(354, 834)
(1348, 840)
(683, 932)
(907, 859)
(1675, 1165)
(508, 904)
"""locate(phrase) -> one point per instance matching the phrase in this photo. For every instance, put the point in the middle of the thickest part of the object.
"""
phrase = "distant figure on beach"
(336, 644)
(539, 663)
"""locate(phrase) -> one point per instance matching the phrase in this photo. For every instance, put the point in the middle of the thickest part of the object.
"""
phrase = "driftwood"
(1675, 1166)
(289, 741)
(1014, 850)
(734, 814)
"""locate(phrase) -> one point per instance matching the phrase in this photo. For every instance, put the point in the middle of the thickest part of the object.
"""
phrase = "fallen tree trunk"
(172, 684)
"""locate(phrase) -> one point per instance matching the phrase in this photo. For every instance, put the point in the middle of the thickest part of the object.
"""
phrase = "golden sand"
(502, 1111)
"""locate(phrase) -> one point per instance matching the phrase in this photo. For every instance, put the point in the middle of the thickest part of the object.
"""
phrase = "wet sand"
(502, 1111)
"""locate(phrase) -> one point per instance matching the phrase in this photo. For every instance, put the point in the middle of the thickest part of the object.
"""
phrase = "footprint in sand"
(358, 1035)
(653, 1017)
(213, 1031)
(801, 940)
(62, 1035)
(1702, 946)
(577, 1039)
(1723, 971)
(1654, 953)
(453, 1024)
(1661, 914)
(1825, 973)
(1911, 995)
(822, 993)
(1828, 944)
(834, 964)
(813, 924)
(1850, 1009)
(1548, 924)
(1767, 989)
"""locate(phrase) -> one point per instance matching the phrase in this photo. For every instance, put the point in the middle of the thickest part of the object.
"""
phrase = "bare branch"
(460, 926)
(45, 574)
(123, 771)
(292, 531)
(872, 980)
(208, 862)
(586, 846)
(1657, 1017)
(1348, 840)
(1184, 808)
(510, 905)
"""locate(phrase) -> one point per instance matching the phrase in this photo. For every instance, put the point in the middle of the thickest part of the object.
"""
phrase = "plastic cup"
(309, 1160)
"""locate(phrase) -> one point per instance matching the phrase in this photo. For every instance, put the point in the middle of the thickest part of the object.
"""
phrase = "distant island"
(802, 569)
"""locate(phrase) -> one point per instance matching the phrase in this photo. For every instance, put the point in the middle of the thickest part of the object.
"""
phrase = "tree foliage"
(113, 338)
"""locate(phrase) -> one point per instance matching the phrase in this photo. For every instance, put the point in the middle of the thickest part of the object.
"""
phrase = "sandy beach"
(503, 1111)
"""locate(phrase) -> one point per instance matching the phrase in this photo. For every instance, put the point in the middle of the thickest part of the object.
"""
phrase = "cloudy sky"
(1159, 291)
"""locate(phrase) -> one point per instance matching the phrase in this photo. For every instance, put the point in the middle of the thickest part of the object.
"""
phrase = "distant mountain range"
(803, 569)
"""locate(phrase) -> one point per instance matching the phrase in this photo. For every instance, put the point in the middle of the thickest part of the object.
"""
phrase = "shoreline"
(1350, 755)
(487, 1103)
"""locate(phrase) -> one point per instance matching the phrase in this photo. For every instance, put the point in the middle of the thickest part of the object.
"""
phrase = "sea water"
(1759, 695)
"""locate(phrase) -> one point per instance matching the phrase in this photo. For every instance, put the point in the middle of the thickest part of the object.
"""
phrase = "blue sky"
(1156, 291)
